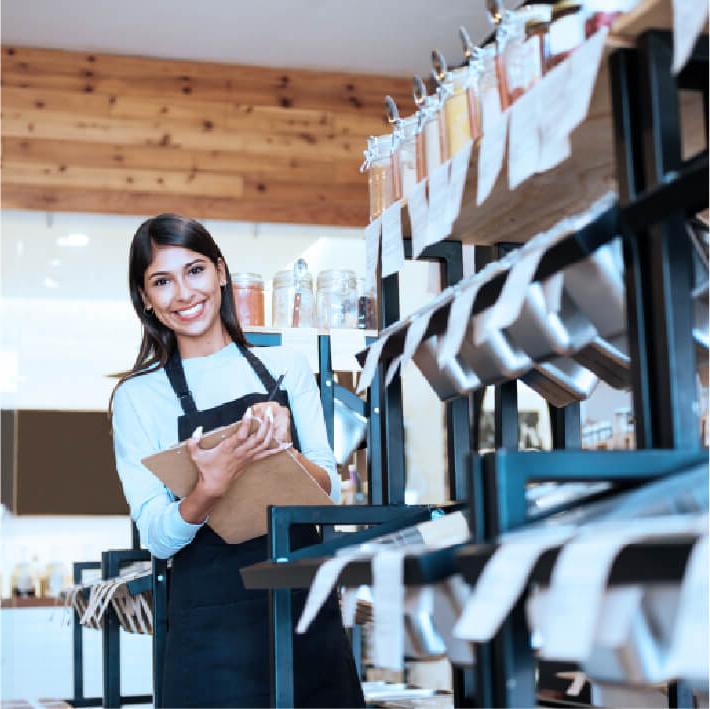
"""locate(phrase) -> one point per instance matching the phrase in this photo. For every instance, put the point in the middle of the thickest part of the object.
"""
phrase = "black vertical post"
(160, 626)
(565, 426)
(281, 623)
(135, 536)
(375, 440)
(111, 639)
(325, 380)
(392, 416)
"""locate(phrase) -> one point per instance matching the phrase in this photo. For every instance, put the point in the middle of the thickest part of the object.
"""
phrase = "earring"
(147, 309)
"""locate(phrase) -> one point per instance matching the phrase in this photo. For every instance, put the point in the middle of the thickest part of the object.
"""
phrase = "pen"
(276, 387)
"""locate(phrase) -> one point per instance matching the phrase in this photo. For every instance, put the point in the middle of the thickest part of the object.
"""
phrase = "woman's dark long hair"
(158, 342)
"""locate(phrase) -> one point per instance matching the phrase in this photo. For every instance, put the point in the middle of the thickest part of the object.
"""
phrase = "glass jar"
(248, 289)
(567, 30)
(383, 173)
(410, 138)
(366, 306)
(456, 110)
(336, 299)
(434, 132)
(490, 95)
(292, 303)
(470, 78)
(520, 55)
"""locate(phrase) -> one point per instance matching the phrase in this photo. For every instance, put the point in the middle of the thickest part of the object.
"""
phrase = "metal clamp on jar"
(292, 300)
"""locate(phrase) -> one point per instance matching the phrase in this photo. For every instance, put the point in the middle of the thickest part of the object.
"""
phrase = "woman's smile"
(193, 312)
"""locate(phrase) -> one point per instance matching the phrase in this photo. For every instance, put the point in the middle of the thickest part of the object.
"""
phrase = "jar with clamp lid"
(383, 173)
(410, 140)
(248, 290)
(521, 45)
(336, 299)
(489, 92)
(292, 299)
(452, 92)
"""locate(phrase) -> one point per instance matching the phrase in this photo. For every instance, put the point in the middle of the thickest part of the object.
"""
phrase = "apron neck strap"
(176, 377)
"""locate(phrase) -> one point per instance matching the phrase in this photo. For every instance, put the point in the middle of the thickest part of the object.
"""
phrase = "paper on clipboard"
(241, 514)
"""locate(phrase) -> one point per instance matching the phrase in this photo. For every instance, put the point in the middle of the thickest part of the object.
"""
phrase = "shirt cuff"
(177, 528)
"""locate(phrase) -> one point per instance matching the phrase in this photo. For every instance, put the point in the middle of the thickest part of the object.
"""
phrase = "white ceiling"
(371, 36)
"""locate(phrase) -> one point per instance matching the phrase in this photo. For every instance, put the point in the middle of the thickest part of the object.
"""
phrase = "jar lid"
(287, 279)
(380, 145)
(336, 277)
(247, 279)
(409, 126)
(536, 11)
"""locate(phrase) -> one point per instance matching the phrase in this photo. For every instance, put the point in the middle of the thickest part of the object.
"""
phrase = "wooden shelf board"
(647, 15)
(30, 602)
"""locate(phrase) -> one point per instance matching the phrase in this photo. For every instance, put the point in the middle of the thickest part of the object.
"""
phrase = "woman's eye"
(195, 270)
(160, 281)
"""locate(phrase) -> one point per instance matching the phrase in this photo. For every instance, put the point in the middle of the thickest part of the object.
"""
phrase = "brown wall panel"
(132, 135)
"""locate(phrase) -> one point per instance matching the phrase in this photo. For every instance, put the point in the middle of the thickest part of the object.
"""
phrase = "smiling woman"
(194, 369)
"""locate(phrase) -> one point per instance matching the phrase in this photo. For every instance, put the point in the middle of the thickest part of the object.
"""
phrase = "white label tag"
(503, 580)
(305, 340)
(392, 245)
(553, 151)
(523, 139)
(584, 68)
(552, 97)
(344, 344)
(457, 181)
(388, 602)
(371, 362)
(490, 157)
(439, 224)
(689, 16)
(419, 218)
(372, 248)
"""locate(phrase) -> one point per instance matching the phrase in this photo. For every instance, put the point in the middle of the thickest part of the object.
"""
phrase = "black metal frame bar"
(281, 519)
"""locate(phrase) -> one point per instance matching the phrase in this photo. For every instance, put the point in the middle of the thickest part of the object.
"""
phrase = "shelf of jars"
(521, 135)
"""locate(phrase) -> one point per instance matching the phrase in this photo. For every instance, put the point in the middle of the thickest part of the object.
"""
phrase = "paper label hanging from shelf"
(689, 17)
(415, 333)
(688, 655)
(457, 180)
(583, 71)
(502, 581)
(418, 218)
(553, 151)
(459, 316)
(523, 139)
(388, 602)
(372, 248)
(490, 156)
(304, 340)
(344, 344)
(392, 245)
(580, 577)
(439, 224)
(371, 362)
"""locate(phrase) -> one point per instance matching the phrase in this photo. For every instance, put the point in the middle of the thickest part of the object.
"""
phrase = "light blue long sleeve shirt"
(145, 413)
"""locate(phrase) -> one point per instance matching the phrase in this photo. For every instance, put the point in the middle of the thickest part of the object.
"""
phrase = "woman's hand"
(218, 467)
(281, 416)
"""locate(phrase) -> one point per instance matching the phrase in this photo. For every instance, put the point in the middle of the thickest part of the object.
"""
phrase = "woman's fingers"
(270, 451)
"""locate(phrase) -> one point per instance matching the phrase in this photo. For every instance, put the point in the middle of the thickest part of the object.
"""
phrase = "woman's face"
(183, 289)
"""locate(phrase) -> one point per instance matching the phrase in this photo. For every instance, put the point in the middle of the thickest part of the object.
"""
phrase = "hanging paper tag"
(490, 156)
(418, 217)
(457, 181)
(459, 316)
(392, 245)
(388, 602)
(523, 139)
(439, 224)
(415, 333)
(372, 248)
(371, 362)
(688, 656)
(583, 70)
(502, 581)
(689, 16)
(553, 151)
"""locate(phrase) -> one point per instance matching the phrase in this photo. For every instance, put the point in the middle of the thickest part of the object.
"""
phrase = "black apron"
(217, 650)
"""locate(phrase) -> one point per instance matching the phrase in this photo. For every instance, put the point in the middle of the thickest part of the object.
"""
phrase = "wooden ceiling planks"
(132, 135)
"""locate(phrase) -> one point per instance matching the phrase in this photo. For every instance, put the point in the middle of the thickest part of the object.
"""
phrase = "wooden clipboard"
(242, 513)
